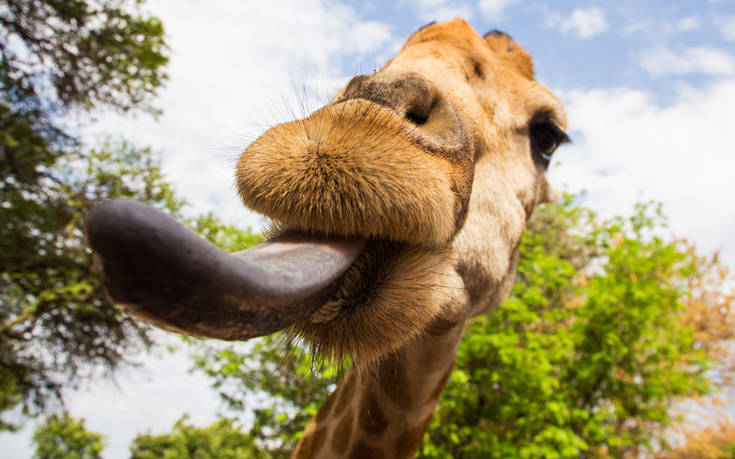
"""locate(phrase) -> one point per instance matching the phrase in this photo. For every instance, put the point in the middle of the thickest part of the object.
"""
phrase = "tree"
(55, 320)
(710, 312)
(714, 441)
(62, 437)
(64, 54)
(587, 355)
(608, 326)
(59, 57)
(274, 380)
(221, 440)
(227, 237)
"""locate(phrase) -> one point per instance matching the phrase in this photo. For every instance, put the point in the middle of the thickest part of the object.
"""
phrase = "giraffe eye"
(545, 139)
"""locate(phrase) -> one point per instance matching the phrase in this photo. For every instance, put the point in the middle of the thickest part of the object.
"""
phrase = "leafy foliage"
(275, 381)
(588, 353)
(62, 437)
(715, 441)
(57, 57)
(608, 326)
(221, 440)
(227, 237)
(710, 312)
(54, 317)
(60, 54)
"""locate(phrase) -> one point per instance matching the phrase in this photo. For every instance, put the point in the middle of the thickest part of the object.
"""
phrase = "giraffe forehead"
(456, 33)
(456, 46)
(485, 84)
(452, 51)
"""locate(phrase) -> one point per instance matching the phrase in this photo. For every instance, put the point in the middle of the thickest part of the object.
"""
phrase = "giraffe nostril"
(417, 117)
(411, 97)
(419, 111)
(418, 101)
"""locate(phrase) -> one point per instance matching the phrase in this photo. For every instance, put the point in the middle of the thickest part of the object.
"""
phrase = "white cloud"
(655, 29)
(662, 61)
(726, 24)
(688, 23)
(582, 22)
(148, 400)
(494, 8)
(638, 26)
(236, 69)
(627, 148)
(141, 400)
(440, 10)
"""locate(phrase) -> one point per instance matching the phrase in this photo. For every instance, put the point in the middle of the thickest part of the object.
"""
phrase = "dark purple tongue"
(161, 272)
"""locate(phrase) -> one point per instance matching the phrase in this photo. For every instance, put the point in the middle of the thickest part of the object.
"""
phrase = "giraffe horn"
(159, 271)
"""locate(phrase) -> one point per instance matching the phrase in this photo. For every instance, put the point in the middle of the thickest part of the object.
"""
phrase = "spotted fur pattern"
(430, 159)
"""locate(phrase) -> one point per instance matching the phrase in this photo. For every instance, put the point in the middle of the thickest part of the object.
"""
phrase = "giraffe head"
(402, 200)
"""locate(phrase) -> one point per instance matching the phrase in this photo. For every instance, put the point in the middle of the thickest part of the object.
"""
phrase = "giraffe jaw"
(388, 296)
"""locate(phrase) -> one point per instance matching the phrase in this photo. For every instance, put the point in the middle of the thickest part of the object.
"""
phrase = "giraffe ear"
(506, 48)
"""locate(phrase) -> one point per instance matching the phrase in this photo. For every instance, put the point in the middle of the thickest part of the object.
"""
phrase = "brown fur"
(365, 450)
(393, 403)
(430, 159)
(346, 391)
(395, 382)
(311, 442)
(341, 435)
(372, 419)
(328, 403)
(444, 203)
(505, 48)
(410, 440)
(350, 154)
(437, 391)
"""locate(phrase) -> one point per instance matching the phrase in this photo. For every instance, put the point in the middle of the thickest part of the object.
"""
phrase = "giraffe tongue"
(161, 272)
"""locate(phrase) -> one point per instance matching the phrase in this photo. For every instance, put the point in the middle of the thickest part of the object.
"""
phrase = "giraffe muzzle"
(159, 271)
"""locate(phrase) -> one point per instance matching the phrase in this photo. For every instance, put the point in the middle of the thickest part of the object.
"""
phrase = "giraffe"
(399, 209)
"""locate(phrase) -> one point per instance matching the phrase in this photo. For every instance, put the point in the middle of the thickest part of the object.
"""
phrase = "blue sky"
(581, 44)
(649, 87)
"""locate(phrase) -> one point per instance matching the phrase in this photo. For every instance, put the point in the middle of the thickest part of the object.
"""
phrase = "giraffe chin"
(389, 295)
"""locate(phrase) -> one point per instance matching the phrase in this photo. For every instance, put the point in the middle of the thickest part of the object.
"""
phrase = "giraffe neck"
(384, 414)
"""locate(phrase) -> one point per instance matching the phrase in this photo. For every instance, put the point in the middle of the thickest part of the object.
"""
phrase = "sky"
(649, 87)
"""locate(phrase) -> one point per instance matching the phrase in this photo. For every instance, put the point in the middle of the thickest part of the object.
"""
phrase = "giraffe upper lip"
(448, 138)
(162, 272)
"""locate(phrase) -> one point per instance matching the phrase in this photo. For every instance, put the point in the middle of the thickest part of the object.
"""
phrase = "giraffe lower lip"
(161, 272)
